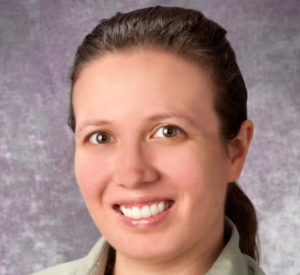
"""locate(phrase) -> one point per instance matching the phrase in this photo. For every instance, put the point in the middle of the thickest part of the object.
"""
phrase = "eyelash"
(164, 126)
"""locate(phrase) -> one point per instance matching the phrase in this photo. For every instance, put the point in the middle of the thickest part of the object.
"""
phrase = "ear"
(239, 149)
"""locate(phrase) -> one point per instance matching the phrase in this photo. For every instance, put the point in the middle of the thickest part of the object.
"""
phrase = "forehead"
(141, 82)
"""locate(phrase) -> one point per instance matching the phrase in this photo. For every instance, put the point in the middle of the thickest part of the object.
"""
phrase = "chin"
(143, 253)
(149, 249)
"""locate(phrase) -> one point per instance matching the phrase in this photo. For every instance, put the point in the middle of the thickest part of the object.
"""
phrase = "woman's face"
(147, 140)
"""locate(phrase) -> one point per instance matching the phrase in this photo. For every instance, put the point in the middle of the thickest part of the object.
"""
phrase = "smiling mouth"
(144, 211)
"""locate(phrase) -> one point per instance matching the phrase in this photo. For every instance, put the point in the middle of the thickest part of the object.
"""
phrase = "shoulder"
(68, 268)
(94, 262)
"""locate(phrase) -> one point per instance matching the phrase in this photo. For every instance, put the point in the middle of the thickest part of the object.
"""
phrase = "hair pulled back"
(190, 34)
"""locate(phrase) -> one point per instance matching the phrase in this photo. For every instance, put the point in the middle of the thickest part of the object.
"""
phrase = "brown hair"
(190, 34)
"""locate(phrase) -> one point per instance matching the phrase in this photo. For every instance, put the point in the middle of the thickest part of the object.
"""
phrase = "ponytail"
(240, 210)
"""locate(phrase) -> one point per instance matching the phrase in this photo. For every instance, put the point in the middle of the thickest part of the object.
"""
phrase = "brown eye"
(100, 138)
(168, 131)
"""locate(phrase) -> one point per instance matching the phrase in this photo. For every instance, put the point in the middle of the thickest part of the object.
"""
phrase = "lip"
(143, 223)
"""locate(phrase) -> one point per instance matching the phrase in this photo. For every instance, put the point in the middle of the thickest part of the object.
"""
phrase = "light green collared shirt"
(230, 262)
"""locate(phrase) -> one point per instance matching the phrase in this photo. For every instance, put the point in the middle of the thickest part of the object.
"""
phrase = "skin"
(137, 160)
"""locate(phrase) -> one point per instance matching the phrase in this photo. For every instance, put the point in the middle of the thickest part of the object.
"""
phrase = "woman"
(159, 113)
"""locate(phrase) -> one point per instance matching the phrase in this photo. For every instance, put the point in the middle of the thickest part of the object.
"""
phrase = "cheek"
(91, 172)
(197, 173)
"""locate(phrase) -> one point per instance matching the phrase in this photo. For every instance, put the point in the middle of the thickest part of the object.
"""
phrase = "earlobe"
(236, 150)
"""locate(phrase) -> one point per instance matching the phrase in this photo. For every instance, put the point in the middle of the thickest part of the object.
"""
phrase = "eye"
(168, 131)
(100, 138)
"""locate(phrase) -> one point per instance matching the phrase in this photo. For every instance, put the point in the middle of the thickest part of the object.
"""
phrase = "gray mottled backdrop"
(43, 219)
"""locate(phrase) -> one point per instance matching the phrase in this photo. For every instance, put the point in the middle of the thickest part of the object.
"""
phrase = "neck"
(197, 260)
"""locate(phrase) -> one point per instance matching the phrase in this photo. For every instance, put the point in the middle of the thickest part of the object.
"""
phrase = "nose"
(133, 167)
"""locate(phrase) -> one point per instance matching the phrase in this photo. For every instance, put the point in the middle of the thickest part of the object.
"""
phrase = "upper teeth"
(146, 211)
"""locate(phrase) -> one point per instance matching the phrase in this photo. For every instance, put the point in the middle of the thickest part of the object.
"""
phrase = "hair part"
(189, 34)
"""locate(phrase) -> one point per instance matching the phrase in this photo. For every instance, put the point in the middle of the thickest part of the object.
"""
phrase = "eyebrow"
(156, 117)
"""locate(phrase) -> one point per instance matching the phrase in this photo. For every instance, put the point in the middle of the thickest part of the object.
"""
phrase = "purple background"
(43, 219)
